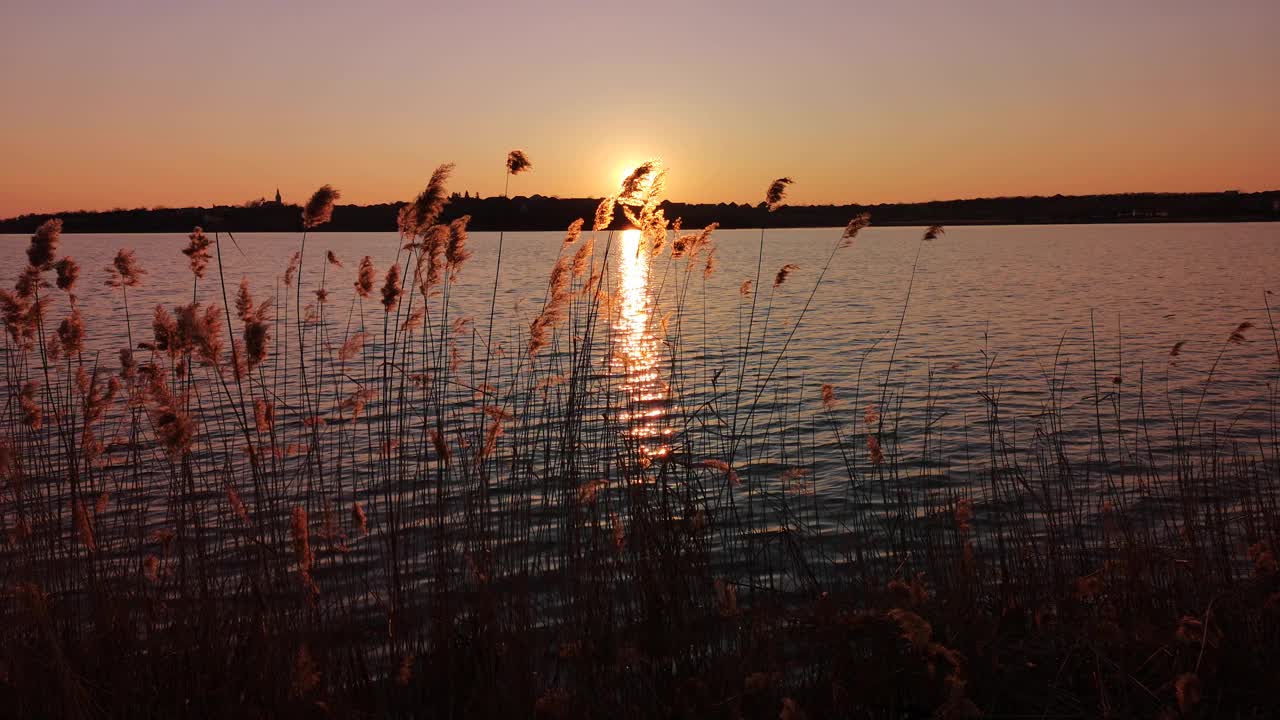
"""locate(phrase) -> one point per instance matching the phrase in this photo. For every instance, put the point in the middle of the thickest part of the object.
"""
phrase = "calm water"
(1003, 299)
(994, 312)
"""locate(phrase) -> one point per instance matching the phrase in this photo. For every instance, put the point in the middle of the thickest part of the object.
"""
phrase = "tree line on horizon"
(545, 213)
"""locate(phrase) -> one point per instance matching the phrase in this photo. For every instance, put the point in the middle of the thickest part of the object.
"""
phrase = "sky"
(139, 104)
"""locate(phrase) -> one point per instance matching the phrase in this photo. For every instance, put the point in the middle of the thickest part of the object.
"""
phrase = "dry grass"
(285, 511)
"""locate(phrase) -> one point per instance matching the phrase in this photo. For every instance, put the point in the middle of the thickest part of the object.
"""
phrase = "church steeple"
(277, 196)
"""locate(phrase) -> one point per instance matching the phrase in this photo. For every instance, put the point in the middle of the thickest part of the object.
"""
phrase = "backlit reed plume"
(71, 333)
(173, 426)
(32, 415)
(828, 397)
(68, 271)
(421, 214)
(710, 267)
(1176, 350)
(124, 270)
(237, 505)
(604, 214)
(44, 244)
(724, 467)
(783, 273)
(332, 259)
(574, 232)
(84, 529)
(1237, 336)
(582, 256)
(933, 232)
(300, 534)
(456, 252)
(391, 288)
(319, 209)
(556, 307)
(197, 251)
(859, 221)
(518, 162)
(264, 415)
(745, 288)
(291, 270)
(351, 347)
(777, 191)
(639, 184)
(365, 277)
(359, 519)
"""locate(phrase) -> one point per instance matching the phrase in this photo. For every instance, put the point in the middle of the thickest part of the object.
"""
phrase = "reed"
(267, 507)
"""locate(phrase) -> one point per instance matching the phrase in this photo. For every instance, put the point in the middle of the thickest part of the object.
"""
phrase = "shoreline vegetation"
(332, 497)
(540, 213)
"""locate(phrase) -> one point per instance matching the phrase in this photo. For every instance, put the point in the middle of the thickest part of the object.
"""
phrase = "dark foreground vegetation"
(552, 213)
(265, 505)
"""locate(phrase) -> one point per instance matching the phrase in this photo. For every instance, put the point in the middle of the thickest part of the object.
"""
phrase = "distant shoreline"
(539, 213)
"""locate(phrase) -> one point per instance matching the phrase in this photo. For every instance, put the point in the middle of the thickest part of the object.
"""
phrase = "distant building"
(276, 202)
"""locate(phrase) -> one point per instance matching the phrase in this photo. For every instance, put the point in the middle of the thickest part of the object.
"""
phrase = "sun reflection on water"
(638, 352)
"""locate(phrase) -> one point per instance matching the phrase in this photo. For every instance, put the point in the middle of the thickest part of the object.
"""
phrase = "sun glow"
(637, 350)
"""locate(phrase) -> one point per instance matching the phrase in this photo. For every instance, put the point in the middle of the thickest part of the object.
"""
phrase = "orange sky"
(150, 103)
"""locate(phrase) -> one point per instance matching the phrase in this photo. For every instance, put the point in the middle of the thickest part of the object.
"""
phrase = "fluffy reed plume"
(582, 257)
(1176, 350)
(359, 519)
(365, 277)
(300, 534)
(257, 337)
(291, 270)
(874, 451)
(456, 252)
(574, 232)
(518, 162)
(783, 273)
(68, 271)
(332, 259)
(84, 529)
(71, 333)
(414, 321)
(777, 191)
(1237, 336)
(828, 397)
(32, 415)
(555, 308)
(745, 288)
(421, 214)
(859, 221)
(710, 267)
(391, 288)
(199, 329)
(173, 426)
(933, 232)
(264, 415)
(21, 316)
(124, 270)
(44, 244)
(197, 251)
(319, 209)
(441, 446)
(237, 505)
(638, 185)
(351, 347)
(604, 214)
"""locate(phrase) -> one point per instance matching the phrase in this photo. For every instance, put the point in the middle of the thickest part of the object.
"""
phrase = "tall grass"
(289, 510)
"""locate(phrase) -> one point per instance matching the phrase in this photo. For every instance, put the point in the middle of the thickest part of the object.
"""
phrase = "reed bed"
(268, 505)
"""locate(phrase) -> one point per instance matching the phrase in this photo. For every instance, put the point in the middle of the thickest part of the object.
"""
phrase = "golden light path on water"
(637, 352)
